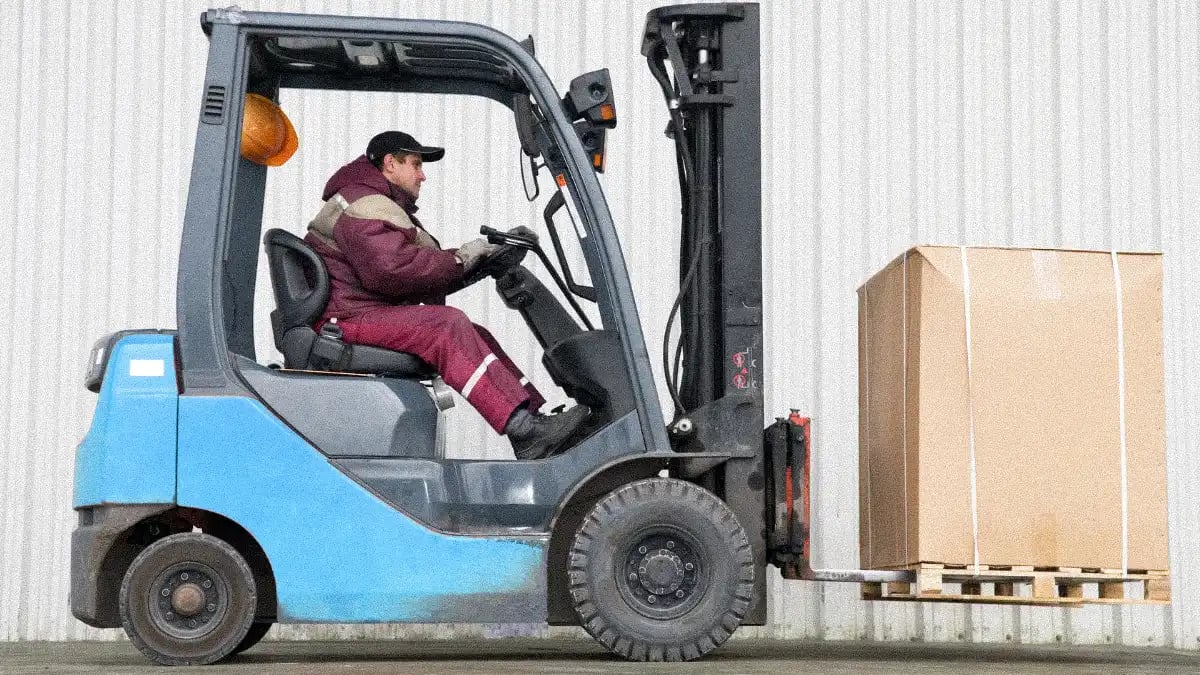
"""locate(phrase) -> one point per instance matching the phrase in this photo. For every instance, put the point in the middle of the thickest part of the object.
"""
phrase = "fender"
(575, 506)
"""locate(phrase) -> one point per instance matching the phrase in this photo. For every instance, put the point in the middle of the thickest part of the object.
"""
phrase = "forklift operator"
(389, 280)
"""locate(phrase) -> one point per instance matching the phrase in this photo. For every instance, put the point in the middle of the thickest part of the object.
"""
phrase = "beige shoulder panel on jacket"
(380, 207)
(326, 218)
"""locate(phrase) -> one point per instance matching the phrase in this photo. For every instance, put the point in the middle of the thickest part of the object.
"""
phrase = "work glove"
(473, 252)
(522, 231)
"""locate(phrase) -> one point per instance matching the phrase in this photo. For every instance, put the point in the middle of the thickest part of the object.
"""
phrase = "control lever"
(499, 238)
(495, 236)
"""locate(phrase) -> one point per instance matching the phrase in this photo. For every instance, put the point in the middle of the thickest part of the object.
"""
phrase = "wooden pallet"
(1026, 585)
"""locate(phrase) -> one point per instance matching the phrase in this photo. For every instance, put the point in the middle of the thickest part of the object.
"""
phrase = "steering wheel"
(496, 263)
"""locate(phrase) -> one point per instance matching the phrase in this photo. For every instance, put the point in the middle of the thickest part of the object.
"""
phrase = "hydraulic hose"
(684, 165)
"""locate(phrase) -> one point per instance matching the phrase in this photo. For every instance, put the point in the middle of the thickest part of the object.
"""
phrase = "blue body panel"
(128, 455)
(338, 552)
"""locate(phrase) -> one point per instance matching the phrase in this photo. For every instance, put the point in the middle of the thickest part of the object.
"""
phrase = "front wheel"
(188, 599)
(661, 570)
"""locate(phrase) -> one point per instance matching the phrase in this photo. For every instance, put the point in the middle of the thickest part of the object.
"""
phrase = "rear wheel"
(661, 570)
(258, 630)
(187, 599)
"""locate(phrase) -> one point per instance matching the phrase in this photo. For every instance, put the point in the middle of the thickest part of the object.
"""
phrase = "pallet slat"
(985, 600)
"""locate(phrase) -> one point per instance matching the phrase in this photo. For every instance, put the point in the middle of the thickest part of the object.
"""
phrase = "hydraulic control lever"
(495, 236)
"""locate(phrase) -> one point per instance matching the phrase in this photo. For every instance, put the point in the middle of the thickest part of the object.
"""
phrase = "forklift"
(217, 496)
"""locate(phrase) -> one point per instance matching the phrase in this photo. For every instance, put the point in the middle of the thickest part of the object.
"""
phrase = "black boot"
(536, 436)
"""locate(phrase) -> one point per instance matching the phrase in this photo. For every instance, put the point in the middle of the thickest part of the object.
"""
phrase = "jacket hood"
(361, 177)
(359, 172)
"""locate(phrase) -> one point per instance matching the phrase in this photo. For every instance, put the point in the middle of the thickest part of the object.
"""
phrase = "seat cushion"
(377, 360)
(303, 351)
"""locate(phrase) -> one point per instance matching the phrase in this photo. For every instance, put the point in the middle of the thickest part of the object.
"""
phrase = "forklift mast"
(705, 58)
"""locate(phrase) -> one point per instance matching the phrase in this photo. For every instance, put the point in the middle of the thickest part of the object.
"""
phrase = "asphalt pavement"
(535, 656)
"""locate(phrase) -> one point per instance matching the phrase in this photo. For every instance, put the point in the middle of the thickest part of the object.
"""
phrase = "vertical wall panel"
(1002, 122)
(1179, 161)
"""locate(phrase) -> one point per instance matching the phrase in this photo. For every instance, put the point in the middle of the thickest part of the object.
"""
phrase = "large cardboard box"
(1040, 441)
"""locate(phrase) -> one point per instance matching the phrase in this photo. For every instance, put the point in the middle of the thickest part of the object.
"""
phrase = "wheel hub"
(661, 574)
(187, 599)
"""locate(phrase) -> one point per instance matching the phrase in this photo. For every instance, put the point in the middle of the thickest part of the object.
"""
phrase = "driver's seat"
(301, 285)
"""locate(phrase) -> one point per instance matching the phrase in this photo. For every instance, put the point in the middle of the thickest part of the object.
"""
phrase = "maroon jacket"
(375, 249)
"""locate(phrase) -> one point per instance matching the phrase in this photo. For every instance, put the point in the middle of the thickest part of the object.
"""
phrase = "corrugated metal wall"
(1068, 124)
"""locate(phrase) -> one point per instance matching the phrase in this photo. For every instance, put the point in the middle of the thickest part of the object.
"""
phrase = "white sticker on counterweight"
(146, 368)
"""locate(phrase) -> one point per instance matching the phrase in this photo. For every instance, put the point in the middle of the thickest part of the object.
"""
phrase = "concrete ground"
(533, 656)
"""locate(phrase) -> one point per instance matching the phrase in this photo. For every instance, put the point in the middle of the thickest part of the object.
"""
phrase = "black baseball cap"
(390, 142)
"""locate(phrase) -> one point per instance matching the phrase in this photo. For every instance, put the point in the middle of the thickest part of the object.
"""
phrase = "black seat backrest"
(300, 280)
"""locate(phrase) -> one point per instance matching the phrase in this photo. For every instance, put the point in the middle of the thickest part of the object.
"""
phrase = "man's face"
(405, 172)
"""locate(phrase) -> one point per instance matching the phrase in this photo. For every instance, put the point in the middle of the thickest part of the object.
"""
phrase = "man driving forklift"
(389, 280)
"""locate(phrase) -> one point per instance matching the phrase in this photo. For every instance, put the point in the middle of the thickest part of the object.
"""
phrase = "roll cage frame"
(223, 221)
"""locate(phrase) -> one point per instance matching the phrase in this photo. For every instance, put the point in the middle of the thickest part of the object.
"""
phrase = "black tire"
(661, 570)
(258, 630)
(188, 599)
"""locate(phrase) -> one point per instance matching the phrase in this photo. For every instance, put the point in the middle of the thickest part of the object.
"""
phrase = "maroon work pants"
(464, 354)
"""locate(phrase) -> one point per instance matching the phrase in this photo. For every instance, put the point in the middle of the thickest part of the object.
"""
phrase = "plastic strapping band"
(904, 392)
(970, 407)
(470, 386)
(1121, 395)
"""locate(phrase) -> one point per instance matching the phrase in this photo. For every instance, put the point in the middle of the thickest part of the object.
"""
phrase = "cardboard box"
(1040, 389)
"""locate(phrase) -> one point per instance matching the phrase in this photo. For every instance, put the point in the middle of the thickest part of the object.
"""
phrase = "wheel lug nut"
(641, 570)
(170, 615)
(670, 544)
(184, 576)
(207, 583)
(642, 550)
(166, 592)
(689, 567)
(652, 599)
(679, 594)
(192, 623)
(633, 576)
(212, 607)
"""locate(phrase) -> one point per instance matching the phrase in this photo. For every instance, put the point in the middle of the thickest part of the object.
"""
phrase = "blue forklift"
(217, 496)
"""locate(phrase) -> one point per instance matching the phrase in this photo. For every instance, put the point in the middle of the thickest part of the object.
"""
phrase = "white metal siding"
(1024, 123)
